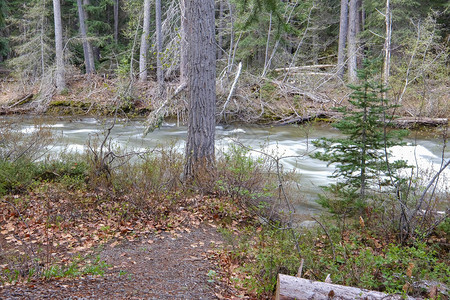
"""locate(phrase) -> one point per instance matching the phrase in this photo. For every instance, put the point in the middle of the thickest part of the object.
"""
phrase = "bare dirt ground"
(166, 266)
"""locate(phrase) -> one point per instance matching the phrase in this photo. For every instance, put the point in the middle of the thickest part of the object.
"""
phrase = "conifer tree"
(361, 157)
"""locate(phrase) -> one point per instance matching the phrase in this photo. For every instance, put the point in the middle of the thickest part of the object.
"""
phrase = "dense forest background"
(296, 50)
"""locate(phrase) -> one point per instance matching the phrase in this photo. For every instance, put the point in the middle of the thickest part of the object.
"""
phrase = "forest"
(223, 223)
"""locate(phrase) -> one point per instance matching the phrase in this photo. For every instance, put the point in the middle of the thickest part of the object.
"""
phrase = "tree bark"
(184, 46)
(144, 43)
(343, 29)
(220, 27)
(352, 47)
(159, 46)
(387, 48)
(201, 76)
(60, 71)
(89, 64)
(116, 20)
(290, 287)
(89, 46)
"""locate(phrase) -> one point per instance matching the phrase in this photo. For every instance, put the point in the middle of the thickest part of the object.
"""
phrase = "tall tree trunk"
(89, 45)
(352, 48)
(220, 28)
(144, 43)
(201, 71)
(343, 29)
(387, 48)
(89, 64)
(60, 72)
(116, 20)
(184, 45)
(159, 46)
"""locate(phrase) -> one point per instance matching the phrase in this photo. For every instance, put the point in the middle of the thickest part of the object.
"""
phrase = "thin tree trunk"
(220, 30)
(352, 40)
(159, 46)
(116, 20)
(184, 45)
(201, 70)
(60, 72)
(144, 43)
(387, 48)
(88, 57)
(343, 29)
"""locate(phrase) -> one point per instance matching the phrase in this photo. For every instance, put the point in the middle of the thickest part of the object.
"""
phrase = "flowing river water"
(425, 151)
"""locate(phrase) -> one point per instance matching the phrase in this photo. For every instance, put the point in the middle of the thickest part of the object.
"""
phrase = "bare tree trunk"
(343, 29)
(83, 31)
(387, 48)
(220, 28)
(352, 48)
(116, 20)
(159, 46)
(184, 45)
(144, 43)
(60, 72)
(201, 70)
(89, 46)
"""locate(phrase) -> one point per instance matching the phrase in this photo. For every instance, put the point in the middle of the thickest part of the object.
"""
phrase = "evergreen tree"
(362, 156)
(3, 40)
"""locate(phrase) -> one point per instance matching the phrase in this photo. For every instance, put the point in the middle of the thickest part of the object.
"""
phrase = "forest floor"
(86, 248)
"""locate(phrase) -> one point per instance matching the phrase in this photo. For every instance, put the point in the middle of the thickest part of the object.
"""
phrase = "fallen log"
(421, 121)
(20, 101)
(404, 122)
(290, 288)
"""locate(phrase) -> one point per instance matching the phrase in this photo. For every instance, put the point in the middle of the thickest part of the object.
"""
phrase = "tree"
(362, 157)
(159, 45)
(87, 50)
(144, 43)
(201, 78)
(60, 72)
(343, 29)
(352, 47)
(3, 40)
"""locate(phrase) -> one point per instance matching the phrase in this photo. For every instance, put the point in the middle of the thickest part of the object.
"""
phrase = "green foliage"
(361, 157)
(78, 267)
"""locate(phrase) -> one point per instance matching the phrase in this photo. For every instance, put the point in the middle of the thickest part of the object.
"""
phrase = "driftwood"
(333, 115)
(421, 121)
(20, 101)
(300, 68)
(290, 288)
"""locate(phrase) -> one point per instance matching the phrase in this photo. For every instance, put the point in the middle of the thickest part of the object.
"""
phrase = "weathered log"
(290, 288)
(422, 121)
(403, 122)
(21, 100)
(304, 68)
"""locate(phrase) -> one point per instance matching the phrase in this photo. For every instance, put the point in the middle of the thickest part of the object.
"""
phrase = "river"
(293, 142)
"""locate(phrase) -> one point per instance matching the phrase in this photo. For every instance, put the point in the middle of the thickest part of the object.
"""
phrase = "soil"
(162, 266)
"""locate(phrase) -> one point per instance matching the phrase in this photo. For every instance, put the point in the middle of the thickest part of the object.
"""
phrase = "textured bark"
(116, 20)
(290, 288)
(184, 46)
(352, 49)
(144, 43)
(60, 71)
(87, 51)
(89, 46)
(201, 76)
(343, 29)
(387, 48)
(220, 28)
(159, 46)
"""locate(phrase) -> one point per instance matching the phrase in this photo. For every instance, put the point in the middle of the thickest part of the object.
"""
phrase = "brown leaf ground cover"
(60, 244)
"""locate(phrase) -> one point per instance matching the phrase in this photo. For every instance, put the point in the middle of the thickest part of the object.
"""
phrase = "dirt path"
(165, 266)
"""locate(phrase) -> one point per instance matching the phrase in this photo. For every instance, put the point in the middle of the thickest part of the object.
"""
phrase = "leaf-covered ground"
(58, 244)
